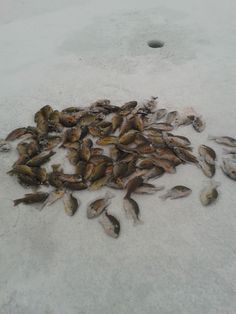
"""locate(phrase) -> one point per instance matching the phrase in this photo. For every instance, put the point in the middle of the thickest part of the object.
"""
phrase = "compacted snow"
(63, 53)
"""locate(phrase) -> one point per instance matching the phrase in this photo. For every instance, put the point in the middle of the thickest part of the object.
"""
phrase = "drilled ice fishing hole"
(155, 43)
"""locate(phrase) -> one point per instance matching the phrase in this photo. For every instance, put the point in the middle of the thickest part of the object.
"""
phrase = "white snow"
(67, 52)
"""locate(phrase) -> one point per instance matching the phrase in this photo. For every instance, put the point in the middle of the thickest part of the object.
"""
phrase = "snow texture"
(182, 260)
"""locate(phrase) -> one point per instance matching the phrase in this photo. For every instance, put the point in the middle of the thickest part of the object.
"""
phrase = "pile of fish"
(120, 147)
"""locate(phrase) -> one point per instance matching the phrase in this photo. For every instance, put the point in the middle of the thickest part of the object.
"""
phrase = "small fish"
(22, 169)
(126, 126)
(160, 113)
(199, 124)
(5, 146)
(148, 188)
(108, 140)
(16, 134)
(97, 184)
(128, 107)
(71, 204)
(209, 194)
(145, 149)
(53, 197)
(175, 140)
(68, 120)
(75, 186)
(95, 208)
(116, 121)
(53, 179)
(110, 224)
(140, 139)
(224, 140)
(207, 153)
(153, 173)
(40, 159)
(146, 163)
(85, 151)
(115, 153)
(171, 117)
(138, 123)
(164, 127)
(168, 154)
(132, 185)
(177, 191)
(98, 171)
(81, 168)
(127, 138)
(185, 155)
(208, 169)
(167, 165)
(26, 180)
(229, 168)
(132, 209)
(120, 169)
(71, 178)
(96, 151)
(32, 198)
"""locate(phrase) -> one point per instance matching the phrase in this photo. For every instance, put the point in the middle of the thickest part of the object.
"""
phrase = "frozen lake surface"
(182, 260)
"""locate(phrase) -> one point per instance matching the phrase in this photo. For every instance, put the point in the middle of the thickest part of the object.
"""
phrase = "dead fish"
(132, 209)
(116, 121)
(32, 198)
(171, 117)
(26, 180)
(209, 194)
(81, 168)
(97, 184)
(46, 111)
(160, 113)
(229, 168)
(199, 124)
(41, 175)
(185, 155)
(73, 156)
(153, 173)
(72, 178)
(71, 204)
(207, 153)
(126, 126)
(128, 137)
(208, 169)
(145, 149)
(95, 208)
(4, 146)
(132, 185)
(140, 139)
(108, 140)
(22, 169)
(146, 163)
(115, 153)
(148, 188)
(16, 134)
(168, 154)
(167, 165)
(98, 171)
(138, 123)
(128, 107)
(68, 120)
(41, 122)
(177, 191)
(224, 140)
(84, 152)
(53, 179)
(164, 126)
(75, 186)
(33, 148)
(89, 118)
(53, 197)
(110, 224)
(120, 169)
(175, 140)
(40, 159)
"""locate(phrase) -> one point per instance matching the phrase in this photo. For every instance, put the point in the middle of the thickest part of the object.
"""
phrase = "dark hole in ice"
(155, 43)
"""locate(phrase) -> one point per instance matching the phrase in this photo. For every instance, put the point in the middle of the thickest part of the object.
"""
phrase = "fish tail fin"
(17, 202)
(138, 222)
(211, 137)
(109, 195)
(164, 196)
(10, 172)
(215, 183)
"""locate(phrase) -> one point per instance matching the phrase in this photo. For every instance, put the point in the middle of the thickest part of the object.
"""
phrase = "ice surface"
(183, 258)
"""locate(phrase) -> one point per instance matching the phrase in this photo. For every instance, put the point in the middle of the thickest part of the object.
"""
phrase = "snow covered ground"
(72, 52)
